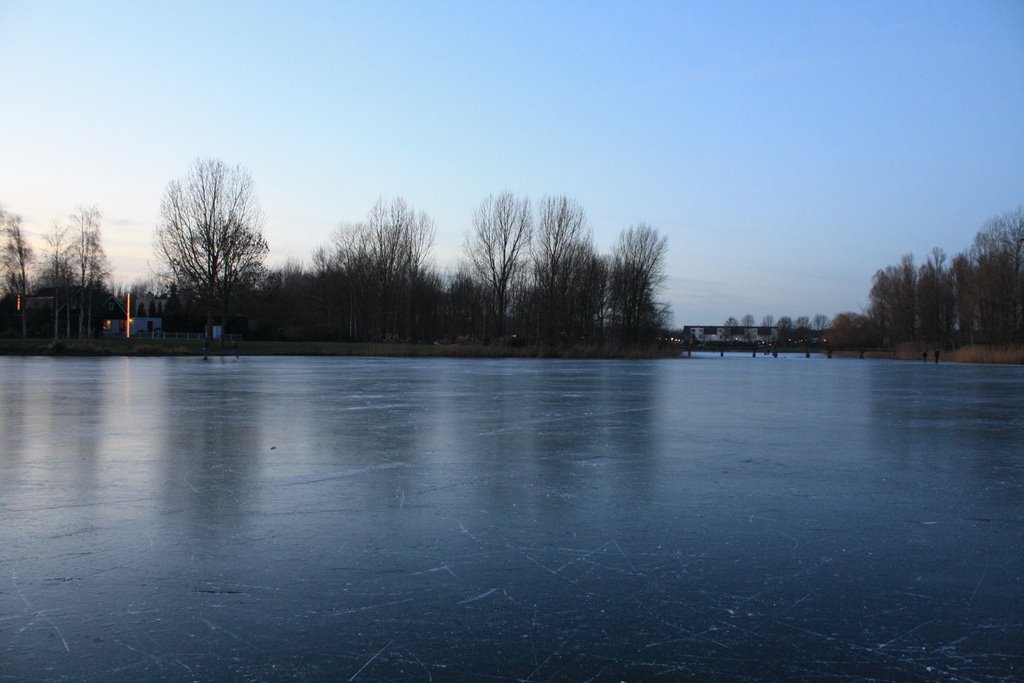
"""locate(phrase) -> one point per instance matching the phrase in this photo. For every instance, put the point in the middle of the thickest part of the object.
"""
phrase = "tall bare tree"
(58, 272)
(561, 244)
(17, 261)
(637, 274)
(399, 243)
(747, 321)
(965, 284)
(592, 295)
(893, 298)
(386, 226)
(89, 260)
(998, 256)
(420, 278)
(785, 328)
(936, 299)
(210, 235)
(496, 248)
(374, 277)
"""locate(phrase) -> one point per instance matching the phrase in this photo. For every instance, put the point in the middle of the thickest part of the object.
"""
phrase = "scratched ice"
(369, 519)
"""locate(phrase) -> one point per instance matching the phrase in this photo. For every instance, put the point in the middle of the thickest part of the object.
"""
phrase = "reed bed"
(1009, 354)
(1012, 354)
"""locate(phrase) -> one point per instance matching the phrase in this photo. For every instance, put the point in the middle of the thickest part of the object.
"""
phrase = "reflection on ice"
(524, 520)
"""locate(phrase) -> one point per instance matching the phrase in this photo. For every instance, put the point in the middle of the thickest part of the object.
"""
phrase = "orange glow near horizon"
(128, 317)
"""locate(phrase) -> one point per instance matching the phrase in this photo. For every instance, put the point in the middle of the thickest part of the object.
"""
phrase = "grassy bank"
(150, 347)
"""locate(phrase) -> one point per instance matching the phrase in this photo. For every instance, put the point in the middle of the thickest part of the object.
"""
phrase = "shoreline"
(154, 348)
(975, 354)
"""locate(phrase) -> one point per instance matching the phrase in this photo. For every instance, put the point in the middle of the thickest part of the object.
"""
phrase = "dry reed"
(1011, 354)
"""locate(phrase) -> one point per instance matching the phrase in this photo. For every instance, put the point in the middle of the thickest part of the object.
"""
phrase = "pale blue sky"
(788, 150)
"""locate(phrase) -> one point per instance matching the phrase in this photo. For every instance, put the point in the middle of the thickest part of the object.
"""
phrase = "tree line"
(977, 297)
(529, 272)
(525, 276)
(788, 328)
(70, 271)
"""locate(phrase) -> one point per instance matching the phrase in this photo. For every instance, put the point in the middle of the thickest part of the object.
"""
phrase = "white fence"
(184, 336)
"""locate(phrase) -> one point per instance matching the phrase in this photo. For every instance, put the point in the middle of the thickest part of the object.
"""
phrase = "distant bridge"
(769, 348)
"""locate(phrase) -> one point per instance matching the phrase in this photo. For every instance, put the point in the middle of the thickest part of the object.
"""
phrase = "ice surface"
(404, 519)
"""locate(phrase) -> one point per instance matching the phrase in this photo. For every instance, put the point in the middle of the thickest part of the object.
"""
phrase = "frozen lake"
(436, 519)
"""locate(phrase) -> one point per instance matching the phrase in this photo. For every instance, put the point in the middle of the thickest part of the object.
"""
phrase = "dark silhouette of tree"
(965, 287)
(90, 261)
(561, 248)
(786, 330)
(852, 330)
(374, 280)
(998, 258)
(58, 273)
(637, 275)
(894, 301)
(936, 300)
(496, 250)
(977, 297)
(210, 235)
(17, 260)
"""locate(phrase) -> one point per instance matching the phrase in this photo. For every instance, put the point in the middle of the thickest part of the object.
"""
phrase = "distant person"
(936, 355)
(205, 352)
(234, 348)
(924, 356)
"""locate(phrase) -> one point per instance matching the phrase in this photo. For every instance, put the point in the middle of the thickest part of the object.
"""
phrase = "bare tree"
(936, 299)
(998, 256)
(210, 235)
(58, 272)
(637, 274)
(593, 295)
(883, 286)
(398, 247)
(852, 330)
(420, 279)
(387, 225)
(89, 260)
(820, 322)
(905, 303)
(465, 304)
(893, 299)
(768, 321)
(561, 244)
(17, 261)
(750, 332)
(374, 278)
(965, 283)
(785, 325)
(496, 248)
